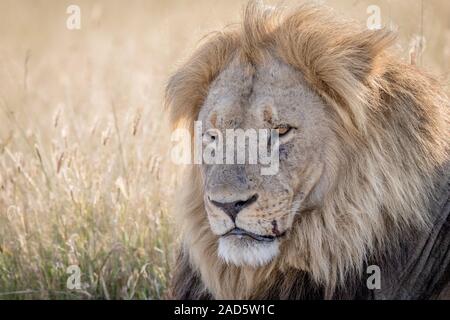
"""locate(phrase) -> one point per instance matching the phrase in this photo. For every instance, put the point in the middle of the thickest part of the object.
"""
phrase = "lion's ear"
(188, 86)
(363, 51)
(334, 58)
(350, 70)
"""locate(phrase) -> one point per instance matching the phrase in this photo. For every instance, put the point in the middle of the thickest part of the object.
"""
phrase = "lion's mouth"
(244, 233)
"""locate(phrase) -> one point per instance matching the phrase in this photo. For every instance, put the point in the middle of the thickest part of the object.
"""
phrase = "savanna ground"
(85, 179)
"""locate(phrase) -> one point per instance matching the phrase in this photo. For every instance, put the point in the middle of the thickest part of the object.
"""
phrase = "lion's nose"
(232, 209)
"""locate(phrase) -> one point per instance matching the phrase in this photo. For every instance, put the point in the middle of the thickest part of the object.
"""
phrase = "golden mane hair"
(392, 123)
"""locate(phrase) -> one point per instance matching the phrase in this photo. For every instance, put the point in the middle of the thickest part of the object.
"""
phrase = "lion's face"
(250, 212)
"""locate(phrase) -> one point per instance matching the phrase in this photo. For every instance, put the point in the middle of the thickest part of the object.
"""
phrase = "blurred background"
(85, 182)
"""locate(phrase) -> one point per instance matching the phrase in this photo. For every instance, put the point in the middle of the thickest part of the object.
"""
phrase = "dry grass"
(84, 176)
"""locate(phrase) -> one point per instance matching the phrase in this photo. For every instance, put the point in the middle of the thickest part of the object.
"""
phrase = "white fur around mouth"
(244, 251)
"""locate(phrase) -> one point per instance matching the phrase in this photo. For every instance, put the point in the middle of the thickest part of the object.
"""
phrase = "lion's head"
(359, 143)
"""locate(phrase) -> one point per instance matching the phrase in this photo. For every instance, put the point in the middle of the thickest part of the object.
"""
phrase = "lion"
(363, 180)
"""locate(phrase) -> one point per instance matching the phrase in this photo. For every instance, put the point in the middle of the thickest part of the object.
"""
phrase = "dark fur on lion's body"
(394, 120)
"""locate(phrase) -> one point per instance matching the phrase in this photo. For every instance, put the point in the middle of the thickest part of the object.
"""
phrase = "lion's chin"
(242, 251)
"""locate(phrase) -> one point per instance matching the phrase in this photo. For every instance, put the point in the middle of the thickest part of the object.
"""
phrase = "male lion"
(363, 175)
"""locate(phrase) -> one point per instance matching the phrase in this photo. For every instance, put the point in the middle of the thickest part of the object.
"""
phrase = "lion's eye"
(209, 136)
(283, 130)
